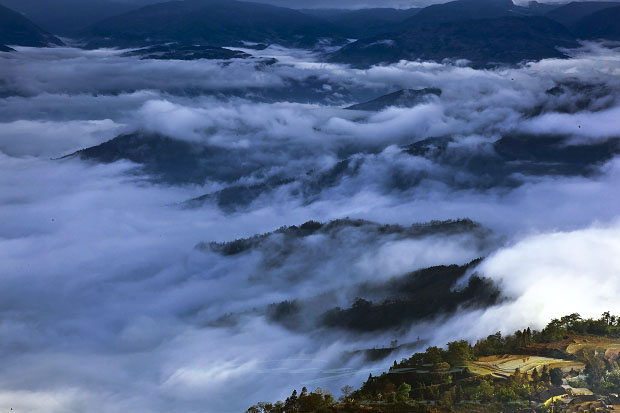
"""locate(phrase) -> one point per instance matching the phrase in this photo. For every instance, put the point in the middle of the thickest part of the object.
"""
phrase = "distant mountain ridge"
(460, 10)
(17, 30)
(364, 22)
(481, 41)
(65, 17)
(603, 24)
(570, 14)
(210, 22)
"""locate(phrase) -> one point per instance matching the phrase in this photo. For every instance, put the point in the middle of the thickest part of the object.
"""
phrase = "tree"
(403, 391)
(485, 391)
(458, 353)
(447, 399)
(595, 369)
(433, 355)
(556, 376)
(346, 392)
(458, 394)
(291, 402)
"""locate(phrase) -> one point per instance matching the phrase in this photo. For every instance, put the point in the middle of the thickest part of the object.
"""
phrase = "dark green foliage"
(458, 353)
(556, 376)
(426, 383)
(311, 227)
(607, 325)
(318, 401)
(419, 295)
(285, 313)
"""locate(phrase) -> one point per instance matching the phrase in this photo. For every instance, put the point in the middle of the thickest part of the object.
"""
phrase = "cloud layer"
(107, 304)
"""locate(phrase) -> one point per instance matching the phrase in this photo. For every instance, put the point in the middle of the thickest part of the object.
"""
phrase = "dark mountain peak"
(17, 30)
(465, 10)
(401, 98)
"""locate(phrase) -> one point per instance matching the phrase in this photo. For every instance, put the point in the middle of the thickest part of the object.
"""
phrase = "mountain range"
(484, 32)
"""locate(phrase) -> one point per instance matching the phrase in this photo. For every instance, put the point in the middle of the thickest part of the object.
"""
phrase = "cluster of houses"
(566, 399)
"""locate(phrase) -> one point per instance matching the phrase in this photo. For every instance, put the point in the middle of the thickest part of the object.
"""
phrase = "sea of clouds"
(106, 304)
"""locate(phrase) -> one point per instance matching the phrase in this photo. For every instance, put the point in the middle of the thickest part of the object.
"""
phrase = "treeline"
(522, 341)
(557, 329)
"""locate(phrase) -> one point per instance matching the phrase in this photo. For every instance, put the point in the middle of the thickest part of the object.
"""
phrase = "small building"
(578, 391)
(581, 404)
(553, 394)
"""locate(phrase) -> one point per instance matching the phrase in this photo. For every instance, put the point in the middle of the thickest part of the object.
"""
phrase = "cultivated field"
(611, 347)
(505, 365)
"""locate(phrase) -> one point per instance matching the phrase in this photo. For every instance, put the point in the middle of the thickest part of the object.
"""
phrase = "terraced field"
(611, 347)
(505, 365)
